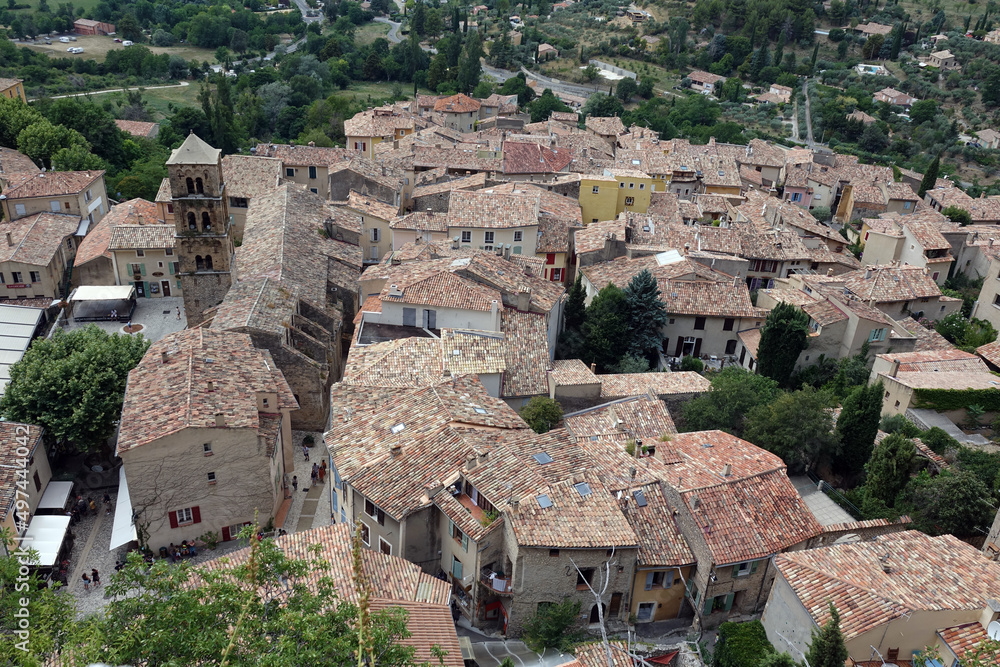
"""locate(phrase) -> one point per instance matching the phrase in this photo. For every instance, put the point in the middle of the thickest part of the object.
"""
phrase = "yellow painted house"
(604, 197)
(374, 126)
(12, 88)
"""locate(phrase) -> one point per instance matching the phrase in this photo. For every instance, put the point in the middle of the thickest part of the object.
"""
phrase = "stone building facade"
(205, 243)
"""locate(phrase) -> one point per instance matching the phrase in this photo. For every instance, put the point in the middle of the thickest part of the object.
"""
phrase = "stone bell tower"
(203, 229)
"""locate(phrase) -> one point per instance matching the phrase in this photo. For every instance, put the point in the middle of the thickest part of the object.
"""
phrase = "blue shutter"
(649, 581)
(729, 601)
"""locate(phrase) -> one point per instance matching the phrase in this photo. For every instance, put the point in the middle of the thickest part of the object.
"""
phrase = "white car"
(127, 43)
(75, 49)
(64, 40)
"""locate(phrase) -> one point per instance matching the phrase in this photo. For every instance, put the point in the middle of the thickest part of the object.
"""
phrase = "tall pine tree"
(782, 338)
(575, 310)
(646, 315)
(606, 328)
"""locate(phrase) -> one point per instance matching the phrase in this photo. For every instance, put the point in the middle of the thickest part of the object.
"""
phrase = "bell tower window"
(200, 187)
(208, 263)
(190, 185)
(206, 221)
(199, 263)
(192, 223)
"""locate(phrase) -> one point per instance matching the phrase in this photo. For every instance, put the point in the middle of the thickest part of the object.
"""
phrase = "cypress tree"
(827, 648)
(930, 177)
(574, 312)
(897, 41)
(857, 427)
(782, 338)
(646, 315)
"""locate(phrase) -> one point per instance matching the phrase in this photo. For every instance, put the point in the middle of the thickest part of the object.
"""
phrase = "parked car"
(64, 40)
(127, 43)
(118, 40)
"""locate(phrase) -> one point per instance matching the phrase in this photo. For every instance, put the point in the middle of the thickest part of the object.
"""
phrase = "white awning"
(102, 293)
(45, 535)
(55, 496)
(123, 530)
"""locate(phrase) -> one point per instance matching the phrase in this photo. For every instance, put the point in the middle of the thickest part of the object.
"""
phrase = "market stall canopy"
(55, 498)
(45, 535)
(123, 528)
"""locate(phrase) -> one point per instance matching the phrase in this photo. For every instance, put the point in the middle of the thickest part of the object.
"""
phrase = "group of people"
(82, 508)
(93, 580)
(319, 472)
(176, 553)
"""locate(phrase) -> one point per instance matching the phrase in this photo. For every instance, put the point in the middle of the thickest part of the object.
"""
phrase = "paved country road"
(117, 90)
(394, 27)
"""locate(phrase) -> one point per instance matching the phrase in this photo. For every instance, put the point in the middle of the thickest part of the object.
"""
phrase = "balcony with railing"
(496, 582)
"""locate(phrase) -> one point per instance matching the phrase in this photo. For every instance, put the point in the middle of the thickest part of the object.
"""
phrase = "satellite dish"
(993, 630)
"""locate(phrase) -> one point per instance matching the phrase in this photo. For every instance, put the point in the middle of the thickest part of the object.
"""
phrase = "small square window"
(488, 237)
(140, 252)
(466, 237)
(642, 186)
(622, 184)
(631, 186)
(185, 516)
(699, 323)
(897, 404)
(207, 448)
(211, 478)
(289, 172)
(518, 236)
(366, 534)
(596, 189)
(169, 252)
(36, 277)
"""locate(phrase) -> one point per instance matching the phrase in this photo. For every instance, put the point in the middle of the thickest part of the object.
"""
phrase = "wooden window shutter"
(709, 603)
(142, 269)
(465, 541)
(225, 534)
(649, 581)
(128, 269)
(753, 566)
(173, 519)
(380, 517)
(729, 601)
(196, 514)
(736, 571)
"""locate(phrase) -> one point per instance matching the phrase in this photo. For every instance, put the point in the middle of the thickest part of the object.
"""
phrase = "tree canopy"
(734, 392)
(782, 338)
(798, 427)
(606, 327)
(827, 648)
(647, 315)
(857, 427)
(73, 384)
(542, 414)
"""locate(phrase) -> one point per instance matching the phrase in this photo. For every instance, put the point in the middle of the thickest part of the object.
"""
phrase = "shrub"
(690, 363)
(900, 424)
(551, 627)
(741, 645)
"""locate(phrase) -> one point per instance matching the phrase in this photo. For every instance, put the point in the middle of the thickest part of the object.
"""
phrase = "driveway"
(394, 27)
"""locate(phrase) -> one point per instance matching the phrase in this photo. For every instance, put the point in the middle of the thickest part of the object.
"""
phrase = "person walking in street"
(93, 505)
(305, 452)
(86, 582)
(295, 483)
(96, 576)
(322, 473)
(178, 312)
(315, 473)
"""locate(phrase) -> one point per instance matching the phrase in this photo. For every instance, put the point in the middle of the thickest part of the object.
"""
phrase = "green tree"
(42, 140)
(552, 626)
(889, 469)
(469, 66)
(73, 384)
(798, 427)
(93, 122)
(958, 214)
(632, 364)
(923, 111)
(852, 372)
(575, 310)
(606, 327)
(741, 645)
(602, 106)
(966, 334)
(542, 107)
(956, 503)
(245, 614)
(897, 41)
(49, 613)
(689, 363)
(778, 660)
(873, 139)
(129, 27)
(899, 424)
(542, 414)
(930, 177)
(872, 47)
(76, 158)
(15, 116)
(827, 648)
(733, 394)
(626, 90)
(647, 315)
(857, 427)
(782, 338)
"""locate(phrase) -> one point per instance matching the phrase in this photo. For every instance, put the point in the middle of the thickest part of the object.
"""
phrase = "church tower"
(203, 229)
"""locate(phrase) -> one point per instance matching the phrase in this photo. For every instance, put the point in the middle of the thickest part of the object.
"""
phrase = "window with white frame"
(876, 335)
(374, 512)
(631, 185)
(207, 448)
(466, 237)
(184, 516)
(642, 186)
(488, 237)
(374, 232)
(139, 252)
(36, 277)
(366, 536)
(596, 189)
(518, 236)
(211, 478)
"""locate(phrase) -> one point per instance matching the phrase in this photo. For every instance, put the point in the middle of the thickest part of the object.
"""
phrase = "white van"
(127, 43)
(75, 49)
(64, 40)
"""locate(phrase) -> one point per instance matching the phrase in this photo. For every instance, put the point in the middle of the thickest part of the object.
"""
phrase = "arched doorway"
(595, 614)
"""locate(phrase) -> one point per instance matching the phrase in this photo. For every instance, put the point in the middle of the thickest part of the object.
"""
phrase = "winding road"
(393, 35)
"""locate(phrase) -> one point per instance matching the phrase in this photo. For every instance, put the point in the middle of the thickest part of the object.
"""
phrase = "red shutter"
(196, 514)
(225, 534)
(173, 519)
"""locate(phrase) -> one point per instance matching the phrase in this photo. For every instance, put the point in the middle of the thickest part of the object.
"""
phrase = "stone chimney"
(10, 239)
(524, 300)
(894, 368)
(593, 367)
(727, 470)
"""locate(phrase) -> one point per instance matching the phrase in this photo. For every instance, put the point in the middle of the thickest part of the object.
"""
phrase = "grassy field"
(86, 5)
(369, 32)
(96, 47)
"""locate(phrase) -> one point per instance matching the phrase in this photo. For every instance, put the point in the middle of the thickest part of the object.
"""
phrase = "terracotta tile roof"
(713, 299)
(823, 255)
(459, 103)
(605, 126)
(753, 512)
(95, 243)
(379, 122)
(130, 237)
(660, 540)
(644, 417)
(370, 206)
(948, 380)
(531, 158)
(527, 356)
(565, 117)
(473, 182)
(574, 520)
(250, 176)
(572, 372)
(14, 435)
(936, 360)
(966, 637)
(424, 221)
(891, 283)
(443, 289)
(136, 128)
(303, 156)
(166, 396)
(634, 384)
(431, 628)
(927, 339)
(12, 162)
(925, 573)
(751, 340)
(486, 209)
(37, 238)
(705, 77)
(825, 313)
(990, 352)
(49, 183)
(591, 238)
(874, 28)
(927, 235)
(674, 267)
